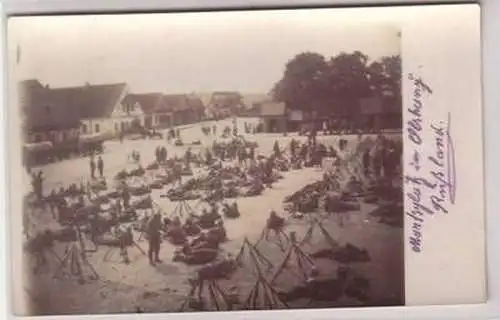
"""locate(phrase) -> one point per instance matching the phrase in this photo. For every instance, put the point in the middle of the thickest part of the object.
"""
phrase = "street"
(123, 288)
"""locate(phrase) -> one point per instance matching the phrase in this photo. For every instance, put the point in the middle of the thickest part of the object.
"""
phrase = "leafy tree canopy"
(312, 82)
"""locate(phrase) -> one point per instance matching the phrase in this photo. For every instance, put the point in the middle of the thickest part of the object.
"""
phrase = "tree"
(302, 81)
(312, 83)
(348, 79)
(386, 74)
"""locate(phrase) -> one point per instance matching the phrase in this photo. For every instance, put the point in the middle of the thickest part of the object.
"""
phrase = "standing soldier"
(242, 155)
(118, 208)
(188, 157)
(34, 184)
(208, 157)
(366, 162)
(157, 154)
(276, 149)
(53, 203)
(126, 197)
(154, 238)
(39, 184)
(164, 154)
(126, 239)
(100, 166)
(251, 154)
(92, 167)
(94, 230)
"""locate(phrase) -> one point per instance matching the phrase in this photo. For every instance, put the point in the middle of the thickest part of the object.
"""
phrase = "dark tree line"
(312, 82)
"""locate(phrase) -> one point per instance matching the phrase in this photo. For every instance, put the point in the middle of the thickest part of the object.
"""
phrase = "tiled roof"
(45, 108)
(149, 102)
(182, 102)
(90, 101)
(40, 112)
(226, 99)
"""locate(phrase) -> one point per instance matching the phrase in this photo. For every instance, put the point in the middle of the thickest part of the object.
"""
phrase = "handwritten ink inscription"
(430, 180)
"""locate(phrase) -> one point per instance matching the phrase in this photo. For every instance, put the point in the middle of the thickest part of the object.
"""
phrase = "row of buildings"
(59, 115)
(376, 113)
(65, 114)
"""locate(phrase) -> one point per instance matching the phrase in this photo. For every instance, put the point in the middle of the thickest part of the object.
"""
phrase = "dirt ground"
(124, 288)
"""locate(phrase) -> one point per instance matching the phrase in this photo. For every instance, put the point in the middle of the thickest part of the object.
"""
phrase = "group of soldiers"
(99, 165)
(156, 228)
(381, 159)
(161, 154)
(207, 130)
(236, 149)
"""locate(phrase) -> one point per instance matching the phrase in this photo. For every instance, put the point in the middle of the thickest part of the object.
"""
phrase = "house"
(296, 119)
(103, 109)
(251, 104)
(224, 104)
(92, 109)
(383, 112)
(273, 116)
(156, 114)
(45, 118)
(185, 108)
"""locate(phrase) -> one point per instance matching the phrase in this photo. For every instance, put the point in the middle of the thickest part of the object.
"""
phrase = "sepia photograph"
(216, 161)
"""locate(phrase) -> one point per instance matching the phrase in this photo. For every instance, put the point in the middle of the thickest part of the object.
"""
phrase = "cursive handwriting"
(416, 209)
(430, 182)
(415, 123)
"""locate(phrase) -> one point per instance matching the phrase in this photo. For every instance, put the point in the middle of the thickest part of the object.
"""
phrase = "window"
(38, 138)
(116, 126)
(97, 128)
(84, 128)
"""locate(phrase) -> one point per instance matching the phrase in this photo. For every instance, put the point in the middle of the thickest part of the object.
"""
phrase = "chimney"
(47, 86)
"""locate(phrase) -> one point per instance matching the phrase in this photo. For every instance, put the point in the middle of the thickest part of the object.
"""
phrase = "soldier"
(39, 185)
(126, 239)
(164, 155)
(157, 154)
(208, 157)
(241, 156)
(34, 183)
(100, 166)
(92, 167)
(188, 156)
(118, 207)
(154, 238)
(251, 154)
(126, 197)
(53, 203)
(366, 162)
(276, 149)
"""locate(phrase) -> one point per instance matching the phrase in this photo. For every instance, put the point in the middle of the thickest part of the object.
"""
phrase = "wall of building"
(54, 136)
(109, 126)
(162, 120)
(274, 124)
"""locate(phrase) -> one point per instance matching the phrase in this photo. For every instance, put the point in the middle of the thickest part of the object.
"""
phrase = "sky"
(189, 52)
